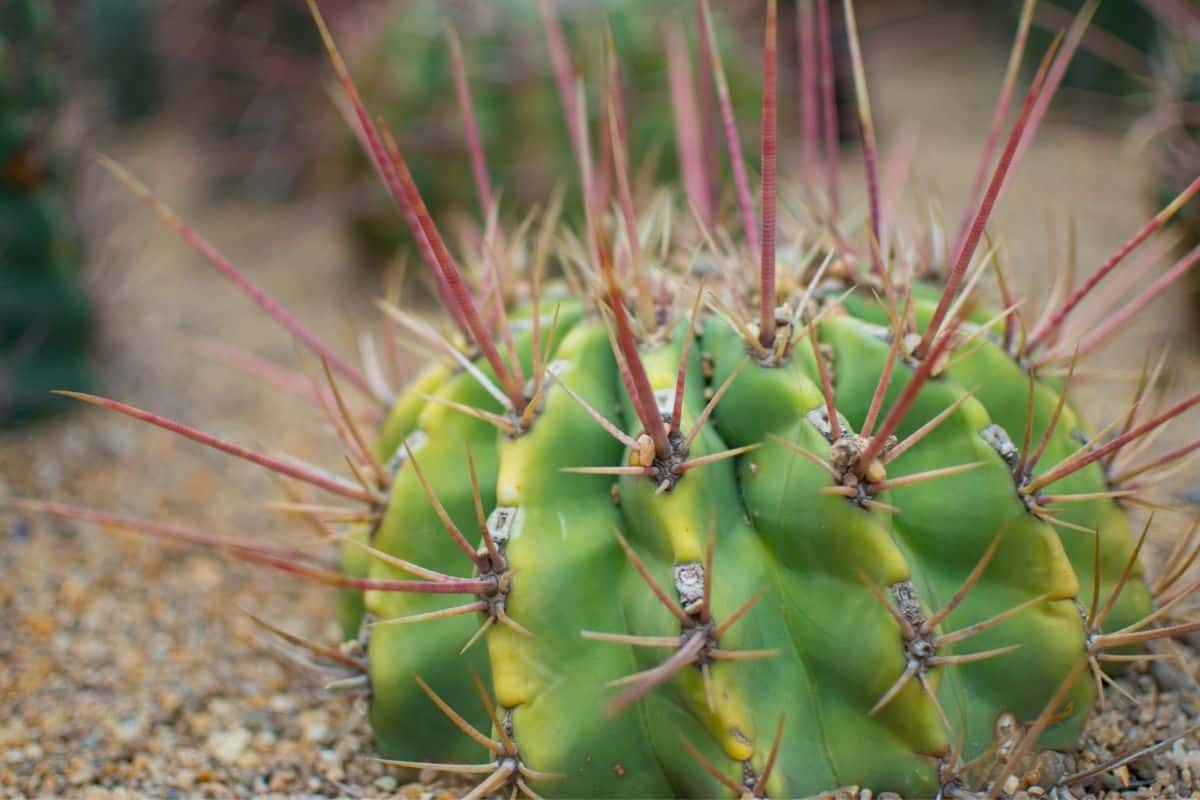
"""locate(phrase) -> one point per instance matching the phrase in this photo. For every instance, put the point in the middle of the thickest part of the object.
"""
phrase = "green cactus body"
(836, 648)
(44, 312)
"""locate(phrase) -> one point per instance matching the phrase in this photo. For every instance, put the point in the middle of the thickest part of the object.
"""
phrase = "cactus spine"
(657, 528)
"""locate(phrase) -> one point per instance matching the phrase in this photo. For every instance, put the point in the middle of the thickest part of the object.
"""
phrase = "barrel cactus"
(651, 525)
(44, 311)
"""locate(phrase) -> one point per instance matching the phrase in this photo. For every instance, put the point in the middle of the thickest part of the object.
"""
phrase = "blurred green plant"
(123, 54)
(45, 316)
(1122, 36)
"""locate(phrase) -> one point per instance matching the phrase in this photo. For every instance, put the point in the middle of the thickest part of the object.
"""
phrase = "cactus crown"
(669, 526)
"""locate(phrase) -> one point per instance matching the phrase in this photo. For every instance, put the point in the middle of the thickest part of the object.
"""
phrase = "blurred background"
(226, 108)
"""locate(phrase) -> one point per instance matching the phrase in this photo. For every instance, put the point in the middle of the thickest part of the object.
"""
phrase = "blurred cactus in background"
(408, 77)
(1147, 54)
(1174, 123)
(1122, 36)
(1178, 151)
(249, 75)
(123, 54)
(44, 311)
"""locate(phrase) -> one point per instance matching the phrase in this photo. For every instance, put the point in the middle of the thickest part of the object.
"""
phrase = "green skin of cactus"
(839, 649)
(44, 312)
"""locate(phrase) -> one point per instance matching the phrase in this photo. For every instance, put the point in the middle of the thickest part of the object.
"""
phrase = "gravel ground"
(127, 670)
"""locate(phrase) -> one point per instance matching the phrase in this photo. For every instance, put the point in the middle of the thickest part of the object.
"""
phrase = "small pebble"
(228, 746)
(316, 731)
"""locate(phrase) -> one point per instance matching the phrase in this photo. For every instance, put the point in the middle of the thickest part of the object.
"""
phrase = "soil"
(128, 669)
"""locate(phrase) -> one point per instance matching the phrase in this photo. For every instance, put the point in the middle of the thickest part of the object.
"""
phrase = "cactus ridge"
(627, 535)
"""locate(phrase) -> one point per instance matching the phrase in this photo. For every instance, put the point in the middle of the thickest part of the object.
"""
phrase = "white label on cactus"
(665, 400)
(819, 419)
(504, 524)
(415, 441)
(876, 331)
(689, 582)
(999, 440)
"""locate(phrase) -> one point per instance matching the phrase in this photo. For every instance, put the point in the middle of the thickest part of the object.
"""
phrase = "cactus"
(650, 527)
(44, 313)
